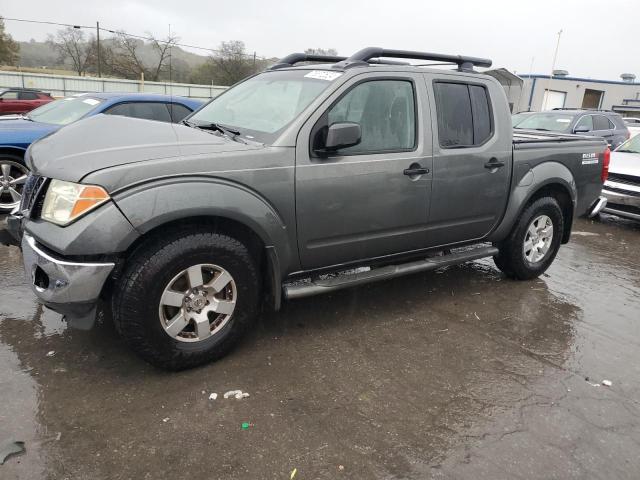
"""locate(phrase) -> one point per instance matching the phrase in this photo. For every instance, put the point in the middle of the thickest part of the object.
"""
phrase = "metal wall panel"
(61, 85)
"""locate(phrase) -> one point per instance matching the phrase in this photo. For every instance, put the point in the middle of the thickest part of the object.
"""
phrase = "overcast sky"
(599, 40)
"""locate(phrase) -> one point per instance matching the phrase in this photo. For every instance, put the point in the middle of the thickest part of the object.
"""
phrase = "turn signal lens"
(67, 201)
(606, 159)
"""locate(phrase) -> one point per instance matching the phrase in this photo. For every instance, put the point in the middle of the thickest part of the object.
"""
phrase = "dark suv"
(594, 123)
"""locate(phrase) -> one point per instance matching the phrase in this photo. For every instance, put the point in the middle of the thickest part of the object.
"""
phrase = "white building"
(540, 92)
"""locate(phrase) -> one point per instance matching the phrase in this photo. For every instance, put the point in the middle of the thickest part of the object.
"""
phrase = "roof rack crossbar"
(366, 54)
(294, 58)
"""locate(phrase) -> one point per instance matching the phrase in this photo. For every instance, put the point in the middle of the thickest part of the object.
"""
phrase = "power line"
(121, 32)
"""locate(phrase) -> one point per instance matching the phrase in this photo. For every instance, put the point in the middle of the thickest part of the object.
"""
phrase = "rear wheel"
(186, 300)
(13, 175)
(534, 241)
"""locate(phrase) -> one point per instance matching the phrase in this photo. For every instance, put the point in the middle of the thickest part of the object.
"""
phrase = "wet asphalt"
(459, 373)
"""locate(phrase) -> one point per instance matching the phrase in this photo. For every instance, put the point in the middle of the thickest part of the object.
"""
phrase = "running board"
(319, 286)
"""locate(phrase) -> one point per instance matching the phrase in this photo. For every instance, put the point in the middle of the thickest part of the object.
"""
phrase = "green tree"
(230, 64)
(9, 49)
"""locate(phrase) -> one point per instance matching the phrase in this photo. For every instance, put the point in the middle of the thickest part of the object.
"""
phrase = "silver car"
(622, 188)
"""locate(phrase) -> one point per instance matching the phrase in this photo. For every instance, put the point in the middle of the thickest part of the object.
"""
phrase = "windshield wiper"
(214, 126)
(624, 150)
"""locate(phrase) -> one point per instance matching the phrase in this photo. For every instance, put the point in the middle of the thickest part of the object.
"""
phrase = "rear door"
(363, 201)
(603, 127)
(472, 158)
(27, 101)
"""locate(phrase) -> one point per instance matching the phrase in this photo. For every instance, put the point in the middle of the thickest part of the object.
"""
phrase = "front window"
(262, 106)
(65, 111)
(630, 146)
(548, 121)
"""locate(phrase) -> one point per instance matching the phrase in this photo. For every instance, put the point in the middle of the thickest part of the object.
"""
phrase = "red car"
(21, 100)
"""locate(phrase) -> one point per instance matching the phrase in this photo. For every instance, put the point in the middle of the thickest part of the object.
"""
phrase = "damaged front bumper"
(69, 288)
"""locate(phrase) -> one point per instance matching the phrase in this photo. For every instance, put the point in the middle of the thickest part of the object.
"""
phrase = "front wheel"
(13, 175)
(534, 241)
(186, 300)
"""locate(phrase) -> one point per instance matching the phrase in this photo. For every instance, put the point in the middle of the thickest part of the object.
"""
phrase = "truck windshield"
(65, 111)
(260, 107)
(630, 146)
(551, 121)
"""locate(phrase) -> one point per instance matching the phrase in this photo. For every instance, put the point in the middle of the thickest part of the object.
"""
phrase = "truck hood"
(625, 163)
(104, 141)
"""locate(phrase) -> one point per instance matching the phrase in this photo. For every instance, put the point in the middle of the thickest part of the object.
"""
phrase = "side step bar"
(319, 286)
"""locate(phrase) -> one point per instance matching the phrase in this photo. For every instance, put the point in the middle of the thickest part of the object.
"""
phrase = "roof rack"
(292, 59)
(585, 109)
(364, 56)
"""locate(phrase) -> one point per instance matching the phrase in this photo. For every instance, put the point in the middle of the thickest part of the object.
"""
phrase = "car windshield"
(65, 111)
(630, 146)
(551, 121)
(260, 107)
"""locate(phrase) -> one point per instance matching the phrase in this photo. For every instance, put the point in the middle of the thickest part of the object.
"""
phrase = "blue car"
(18, 132)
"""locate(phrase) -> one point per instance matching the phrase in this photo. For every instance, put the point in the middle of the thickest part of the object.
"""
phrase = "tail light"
(606, 158)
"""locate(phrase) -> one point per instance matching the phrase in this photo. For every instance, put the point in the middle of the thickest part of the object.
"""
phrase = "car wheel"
(186, 300)
(13, 175)
(534, 241)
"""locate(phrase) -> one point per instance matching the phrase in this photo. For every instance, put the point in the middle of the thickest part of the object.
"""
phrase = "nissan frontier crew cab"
(285, 180)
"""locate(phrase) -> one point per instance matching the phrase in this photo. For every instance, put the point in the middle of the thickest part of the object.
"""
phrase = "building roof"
(579, 79)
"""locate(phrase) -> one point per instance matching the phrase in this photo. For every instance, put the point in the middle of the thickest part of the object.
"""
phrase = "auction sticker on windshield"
(323, 75)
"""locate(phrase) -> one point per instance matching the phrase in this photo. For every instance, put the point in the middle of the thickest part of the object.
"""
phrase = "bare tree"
(162, 49)
(9, 49)
(72, 46)
(321, 51)
(125, 58)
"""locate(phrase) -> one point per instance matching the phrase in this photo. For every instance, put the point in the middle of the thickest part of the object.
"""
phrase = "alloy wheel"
(538, 238)
(198, 302)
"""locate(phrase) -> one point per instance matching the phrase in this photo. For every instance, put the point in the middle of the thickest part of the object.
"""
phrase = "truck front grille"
(33, 196)
(625, 179)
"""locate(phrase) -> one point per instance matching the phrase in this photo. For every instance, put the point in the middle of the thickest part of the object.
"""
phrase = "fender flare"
(537, 178)
(152, 204)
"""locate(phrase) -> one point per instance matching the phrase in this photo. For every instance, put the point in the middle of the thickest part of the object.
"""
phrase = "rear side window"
(178, 112)
(464, 114)
(586, 121)
(145, 110)
(28, 96)
(600, 122)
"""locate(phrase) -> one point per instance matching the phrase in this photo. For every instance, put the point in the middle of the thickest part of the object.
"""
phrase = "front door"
(472, 159)
(367, 200)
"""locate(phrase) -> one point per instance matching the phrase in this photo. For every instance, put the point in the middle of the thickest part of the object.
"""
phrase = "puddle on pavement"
(388, 379)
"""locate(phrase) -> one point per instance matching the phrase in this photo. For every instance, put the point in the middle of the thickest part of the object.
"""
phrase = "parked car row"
(17, 133)
(622, 188)
(605, 124)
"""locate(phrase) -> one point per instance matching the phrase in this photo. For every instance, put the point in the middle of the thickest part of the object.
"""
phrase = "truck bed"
(537, 136)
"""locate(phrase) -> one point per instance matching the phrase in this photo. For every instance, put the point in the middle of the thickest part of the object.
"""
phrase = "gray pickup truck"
(297, 181)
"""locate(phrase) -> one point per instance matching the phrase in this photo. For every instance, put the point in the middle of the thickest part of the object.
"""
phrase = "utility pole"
(98, 47)
(553, 67)
(254, 62)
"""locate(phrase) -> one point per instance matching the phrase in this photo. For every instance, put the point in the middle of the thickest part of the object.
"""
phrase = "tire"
(525, 263)
(13, 174)
(144, 317)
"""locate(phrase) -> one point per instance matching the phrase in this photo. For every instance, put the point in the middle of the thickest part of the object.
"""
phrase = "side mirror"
(583, 129)
(342, 135)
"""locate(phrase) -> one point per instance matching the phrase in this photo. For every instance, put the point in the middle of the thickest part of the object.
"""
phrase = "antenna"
(170, 76)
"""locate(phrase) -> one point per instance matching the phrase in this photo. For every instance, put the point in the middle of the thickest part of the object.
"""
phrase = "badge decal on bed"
(589, 158)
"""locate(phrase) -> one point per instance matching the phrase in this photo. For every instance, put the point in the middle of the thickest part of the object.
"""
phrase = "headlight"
(66, 201)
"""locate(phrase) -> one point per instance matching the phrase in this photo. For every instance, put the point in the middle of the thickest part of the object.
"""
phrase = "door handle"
(494, 163)
(415, 170)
